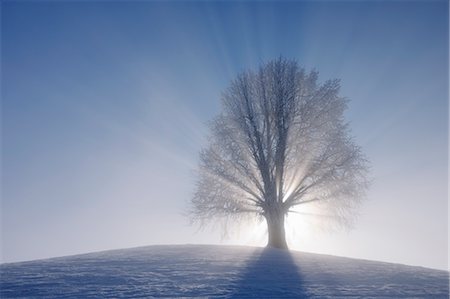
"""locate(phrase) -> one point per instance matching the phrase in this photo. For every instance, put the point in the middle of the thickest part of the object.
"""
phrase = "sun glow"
(299, 228)
(301, 225)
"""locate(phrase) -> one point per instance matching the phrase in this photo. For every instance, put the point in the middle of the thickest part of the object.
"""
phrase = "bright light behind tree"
(104, 105)
(280, 143)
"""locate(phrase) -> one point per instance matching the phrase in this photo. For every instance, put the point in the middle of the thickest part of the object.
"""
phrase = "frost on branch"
(280, 142)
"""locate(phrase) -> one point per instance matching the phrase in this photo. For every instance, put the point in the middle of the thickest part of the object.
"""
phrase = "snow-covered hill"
(217, 271)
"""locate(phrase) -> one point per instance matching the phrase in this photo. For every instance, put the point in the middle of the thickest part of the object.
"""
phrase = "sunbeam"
(105, 106)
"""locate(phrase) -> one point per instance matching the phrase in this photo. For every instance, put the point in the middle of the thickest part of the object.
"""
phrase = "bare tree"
(281, 141)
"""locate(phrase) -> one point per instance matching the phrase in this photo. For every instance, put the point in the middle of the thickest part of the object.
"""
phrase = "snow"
(218, 272)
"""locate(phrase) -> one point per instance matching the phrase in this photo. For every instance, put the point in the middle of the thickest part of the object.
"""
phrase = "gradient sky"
(104, 106)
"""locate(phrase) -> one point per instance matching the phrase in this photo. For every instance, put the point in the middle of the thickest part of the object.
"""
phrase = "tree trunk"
(275, 228)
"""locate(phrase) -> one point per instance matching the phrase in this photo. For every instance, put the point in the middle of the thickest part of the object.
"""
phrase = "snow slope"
(217, 271)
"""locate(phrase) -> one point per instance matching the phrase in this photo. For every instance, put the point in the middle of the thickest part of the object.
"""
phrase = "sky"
(105, 107)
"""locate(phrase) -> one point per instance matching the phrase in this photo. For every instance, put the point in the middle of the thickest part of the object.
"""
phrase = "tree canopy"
(280, 141)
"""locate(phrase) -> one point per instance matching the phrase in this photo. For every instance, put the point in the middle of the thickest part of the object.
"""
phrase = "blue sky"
(104, 106)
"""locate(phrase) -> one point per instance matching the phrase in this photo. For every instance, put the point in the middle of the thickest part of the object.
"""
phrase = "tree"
(280, 142)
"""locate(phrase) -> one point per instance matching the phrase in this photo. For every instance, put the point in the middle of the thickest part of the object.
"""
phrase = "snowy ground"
(217, 271)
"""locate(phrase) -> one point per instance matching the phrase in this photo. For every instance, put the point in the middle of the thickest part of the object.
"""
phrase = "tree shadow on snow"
(270, 273)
